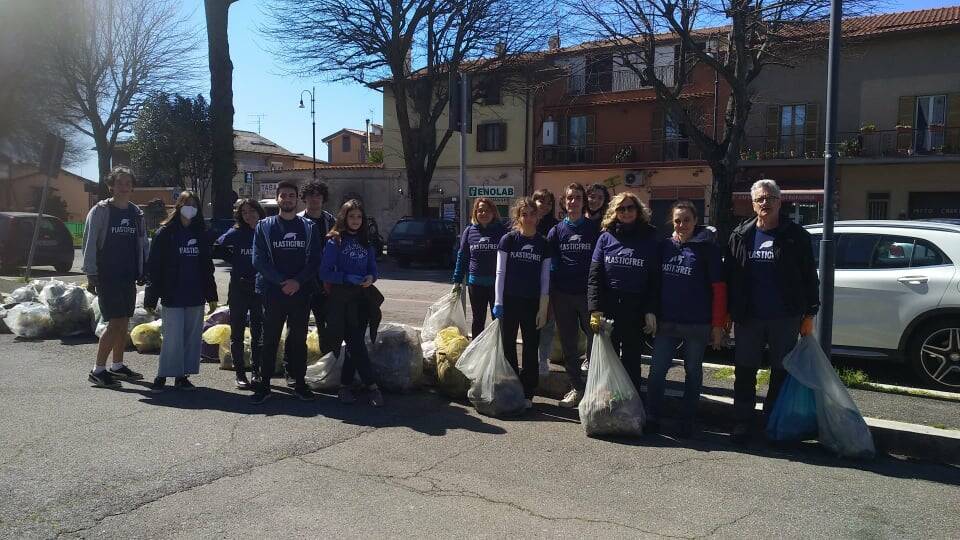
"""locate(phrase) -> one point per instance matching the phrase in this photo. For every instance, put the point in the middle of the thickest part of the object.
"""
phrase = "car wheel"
(935, 353)
(64, 267)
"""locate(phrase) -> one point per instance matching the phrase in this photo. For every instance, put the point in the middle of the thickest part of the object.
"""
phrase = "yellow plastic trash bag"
(146, 337)
(226, 356)
(450, 345)
(217, 334)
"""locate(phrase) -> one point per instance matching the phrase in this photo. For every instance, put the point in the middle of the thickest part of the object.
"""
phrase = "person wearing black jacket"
(246, 307)
(180, 274)
(314, 196)
(623, 283)
(773, 295)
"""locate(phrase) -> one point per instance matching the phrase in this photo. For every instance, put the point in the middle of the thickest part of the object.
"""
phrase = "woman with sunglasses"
(623, 283)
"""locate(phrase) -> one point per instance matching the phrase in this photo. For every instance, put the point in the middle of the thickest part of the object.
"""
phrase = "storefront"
(803, 206)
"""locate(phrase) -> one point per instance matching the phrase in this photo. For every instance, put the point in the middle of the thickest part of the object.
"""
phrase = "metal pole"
(827, 246)
(36, 225)
(313, 123)
(464, 103)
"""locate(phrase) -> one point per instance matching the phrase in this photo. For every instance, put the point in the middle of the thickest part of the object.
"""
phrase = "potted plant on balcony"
(624, 155)
(848, 148)
(868, 128)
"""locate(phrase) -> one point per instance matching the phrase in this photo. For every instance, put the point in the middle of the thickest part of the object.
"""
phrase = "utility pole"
(313, 125)
(827, 246)
(50, 160)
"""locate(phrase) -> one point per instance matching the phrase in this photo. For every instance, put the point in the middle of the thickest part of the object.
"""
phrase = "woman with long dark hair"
(598, 199)
(477, 259)
(623, 283)
(349, 269)
(246, 306)
(180, 274)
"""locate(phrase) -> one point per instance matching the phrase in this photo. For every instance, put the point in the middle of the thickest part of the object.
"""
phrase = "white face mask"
(188, 212)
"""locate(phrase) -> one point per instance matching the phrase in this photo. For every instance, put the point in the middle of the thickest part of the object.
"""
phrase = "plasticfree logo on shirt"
(483, 244)
(123, 228)
(675, 265)
(246, 252)
(624, 257)
(526, 253)
(576, 243)
(290, 242)
(764, 253)
(191, 249)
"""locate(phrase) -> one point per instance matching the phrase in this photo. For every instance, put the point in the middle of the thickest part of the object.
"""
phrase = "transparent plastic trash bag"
(840, 425)
(395, 357)
(610, 405)
(30, 320)
(794, 415)
(495, 389)
(448, 311)
(69, 308)
(324, 374)
(147, 337)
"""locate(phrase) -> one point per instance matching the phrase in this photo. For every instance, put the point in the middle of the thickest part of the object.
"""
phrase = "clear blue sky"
(259, 87)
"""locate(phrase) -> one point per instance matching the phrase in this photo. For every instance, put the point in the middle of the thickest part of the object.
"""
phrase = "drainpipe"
(527, 178)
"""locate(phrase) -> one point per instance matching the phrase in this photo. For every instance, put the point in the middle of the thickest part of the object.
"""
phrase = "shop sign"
(494, 192)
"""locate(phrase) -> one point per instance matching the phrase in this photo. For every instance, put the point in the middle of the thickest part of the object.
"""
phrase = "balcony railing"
(614, 81)
(617, 153)
(867, 143)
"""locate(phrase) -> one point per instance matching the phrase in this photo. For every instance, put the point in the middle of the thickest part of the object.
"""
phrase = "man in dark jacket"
(773, 295)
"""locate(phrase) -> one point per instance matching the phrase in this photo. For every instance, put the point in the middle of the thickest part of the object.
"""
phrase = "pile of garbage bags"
(218, 336)
(495, 389)
(146, 337)
(49, 308)
(210, 350)
(450, 310)
(30, 320)
(610, 405)
(396, 358)
(450, 345)
(832, 415)
(140, 316)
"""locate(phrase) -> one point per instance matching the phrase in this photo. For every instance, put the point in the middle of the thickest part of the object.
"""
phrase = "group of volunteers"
(283, 267)
(605, 260)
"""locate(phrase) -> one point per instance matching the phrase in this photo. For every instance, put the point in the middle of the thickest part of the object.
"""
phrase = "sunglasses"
(761, 200)
(628, 208)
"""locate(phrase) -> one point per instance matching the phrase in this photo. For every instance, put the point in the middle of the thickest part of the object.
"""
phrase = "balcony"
(623, 80)
(902, 143)
(617, 153)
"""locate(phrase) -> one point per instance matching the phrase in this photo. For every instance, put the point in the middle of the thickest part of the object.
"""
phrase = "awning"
(788, 195)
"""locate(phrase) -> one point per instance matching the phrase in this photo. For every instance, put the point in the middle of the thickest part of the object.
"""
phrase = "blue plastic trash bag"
(840, 425)
(794, 415)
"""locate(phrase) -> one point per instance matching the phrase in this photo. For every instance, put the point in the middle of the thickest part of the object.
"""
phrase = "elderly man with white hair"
(773, 295)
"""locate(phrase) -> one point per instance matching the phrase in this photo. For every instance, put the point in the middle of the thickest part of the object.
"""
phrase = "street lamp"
(313, 123)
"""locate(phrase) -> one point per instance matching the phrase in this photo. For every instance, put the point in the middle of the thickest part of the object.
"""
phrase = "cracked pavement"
(81, 462)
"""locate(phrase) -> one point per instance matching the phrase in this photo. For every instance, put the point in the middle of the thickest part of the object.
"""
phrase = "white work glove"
(650, 324)
(543, 311)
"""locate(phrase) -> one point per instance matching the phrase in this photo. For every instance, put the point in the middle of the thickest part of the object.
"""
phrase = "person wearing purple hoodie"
(477, 259)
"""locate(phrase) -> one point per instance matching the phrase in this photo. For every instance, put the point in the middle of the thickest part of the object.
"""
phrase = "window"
(893, 252)
(878, 205)
(792, 121)
(490, 91)
(599, 73)
(676, 146)
(815, 246)
(926, 254)
(491, 137)
(855, 251)
(577, 133)
(345, 143)
(929, 123)
(410, 228)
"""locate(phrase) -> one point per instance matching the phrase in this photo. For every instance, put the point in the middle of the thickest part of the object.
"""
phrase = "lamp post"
(313, 123)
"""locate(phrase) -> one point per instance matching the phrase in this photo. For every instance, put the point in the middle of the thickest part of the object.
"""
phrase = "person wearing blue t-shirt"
(180, 274)
(522, 292)
(623, 284)
(349, 269)
(286, 254)
(693, 310)
(246, 308)
(572, 242)
(477, 259)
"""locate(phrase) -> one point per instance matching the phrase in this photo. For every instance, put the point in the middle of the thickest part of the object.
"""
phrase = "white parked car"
(897, 294)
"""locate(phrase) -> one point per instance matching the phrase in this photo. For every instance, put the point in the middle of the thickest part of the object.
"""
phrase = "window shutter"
(563, 125)
(952, 139)
(591, 129)
(811, 129)
(481, 132)
(656, 133)
(771, 142)
(503, 136)
(906, 111)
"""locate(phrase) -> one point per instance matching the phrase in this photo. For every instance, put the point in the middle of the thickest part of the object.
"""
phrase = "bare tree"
(737, 39)
(113, 54)
(378, 42)
(221, 105)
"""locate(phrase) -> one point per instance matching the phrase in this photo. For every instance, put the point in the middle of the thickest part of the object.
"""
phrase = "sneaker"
(260, 396)
(571, 400)
(585, 366)
(103, 380)
(291, 382)
(376, 398)
(741, 434)
(346, 396)
(242, 382)
(527, 404)
(158, 384)
(183, 383)
(304, 393)
(255, 380)
(125, 374)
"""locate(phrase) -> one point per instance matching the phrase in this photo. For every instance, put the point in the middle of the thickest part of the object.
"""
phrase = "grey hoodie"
(95, 234)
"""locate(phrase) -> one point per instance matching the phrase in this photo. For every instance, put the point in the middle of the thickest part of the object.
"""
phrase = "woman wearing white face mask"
(180, 274)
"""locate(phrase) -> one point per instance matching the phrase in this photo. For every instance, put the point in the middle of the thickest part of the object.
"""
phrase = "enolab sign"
(494, 192)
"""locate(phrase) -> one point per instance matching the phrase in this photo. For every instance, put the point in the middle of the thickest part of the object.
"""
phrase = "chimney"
(368, 138)
(554, 42)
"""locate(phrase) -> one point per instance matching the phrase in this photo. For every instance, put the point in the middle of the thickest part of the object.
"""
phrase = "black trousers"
(295, 312)
(246, 309)
(356, 357)
(520, 313)
(481, 302)
(778, 337)
(318, 306)
(627, 314)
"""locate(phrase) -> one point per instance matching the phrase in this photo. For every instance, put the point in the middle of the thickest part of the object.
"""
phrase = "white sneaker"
(571, 400)
(527, 404)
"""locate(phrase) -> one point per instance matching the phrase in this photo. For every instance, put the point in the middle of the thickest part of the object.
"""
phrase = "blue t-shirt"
(188, 290)
(288, 245)
(525, 257)
(240, 242)
(117, 258)
(688, 272)
(572, 244)
(766, 300)
(478, 248)
(347, 261)
(628, 262)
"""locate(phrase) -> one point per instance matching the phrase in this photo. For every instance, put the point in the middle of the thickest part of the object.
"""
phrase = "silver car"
(897, 294)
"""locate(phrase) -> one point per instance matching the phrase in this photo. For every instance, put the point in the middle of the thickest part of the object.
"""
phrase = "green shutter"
(952, 135)
(503, 136)
(811, 129)
(906, 111)
(771, 141)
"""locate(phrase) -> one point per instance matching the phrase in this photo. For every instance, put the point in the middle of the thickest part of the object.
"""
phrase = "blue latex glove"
(497, 311)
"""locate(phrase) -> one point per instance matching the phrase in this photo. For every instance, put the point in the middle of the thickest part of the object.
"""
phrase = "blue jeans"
(181, 329)
(669, 336)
